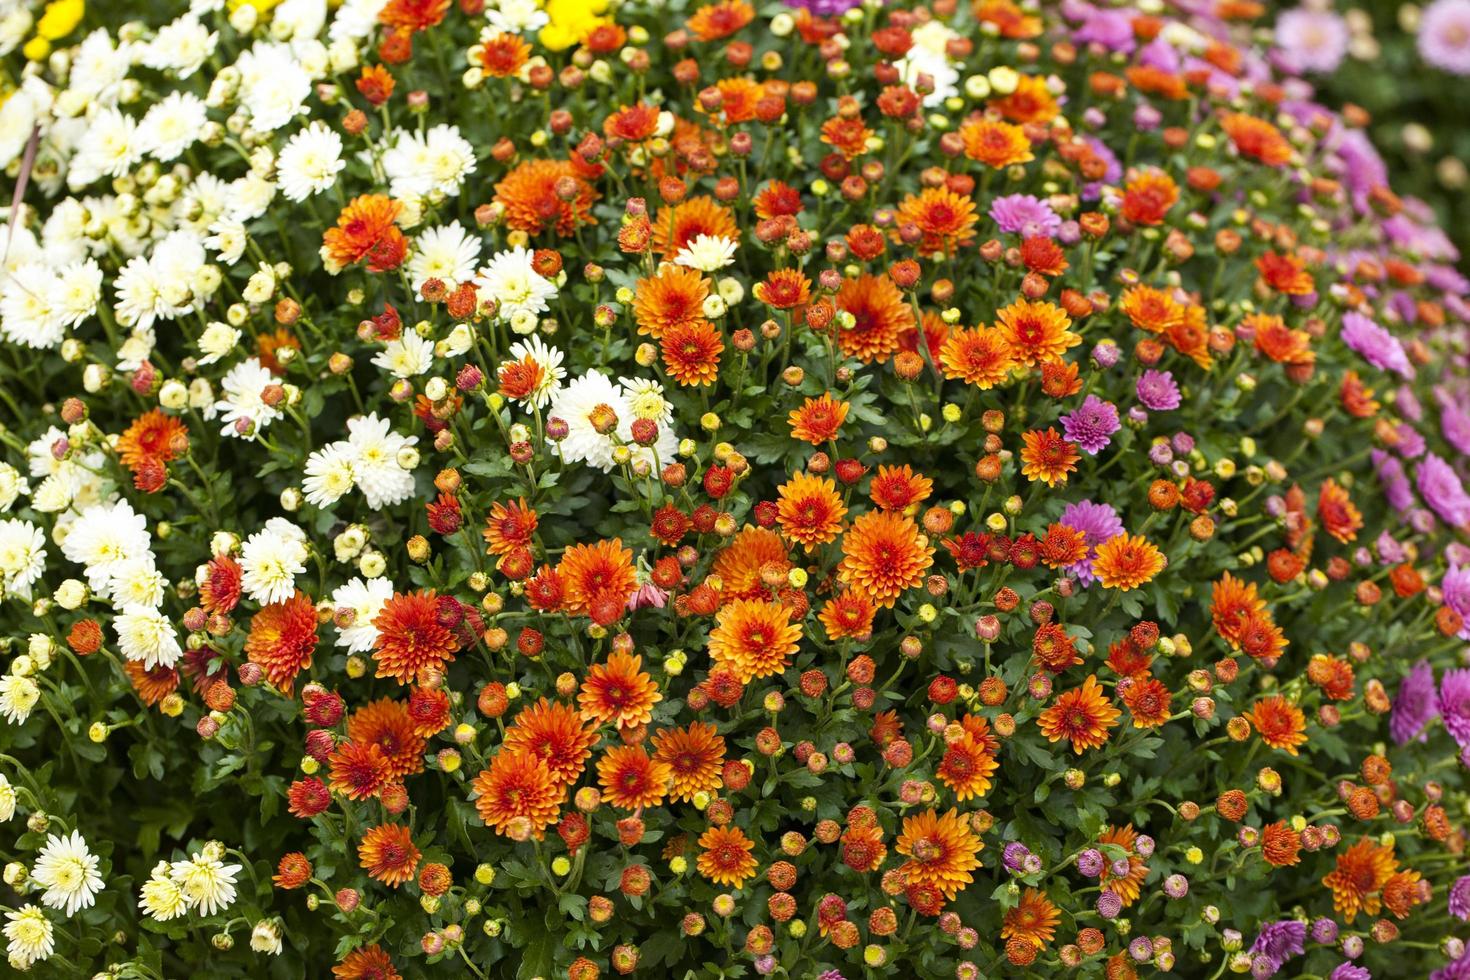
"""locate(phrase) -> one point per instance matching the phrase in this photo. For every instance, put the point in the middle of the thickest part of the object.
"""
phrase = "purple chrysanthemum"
(1098, 523)
(1453, 970)
(1454, 704)
(1456, 588)
(1415, 706)
(1157, 391)
(1375, 344)
(1281, 940)
(1025, 213)
(1396, 487)
(1312, 40)
(1092, 424)
(1442, 490)
(1444, 35)
(1453, 422)
(825, 8)
(1459, 900)
(1350, 971)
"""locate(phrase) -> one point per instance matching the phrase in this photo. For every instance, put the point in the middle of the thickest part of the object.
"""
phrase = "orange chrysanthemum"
(1047, 457)
(1031, 102)
(1061, 546)
(387, 853)
(725, 858)
(518, 792)
(413, 15)
(1126, 561)
(410, 636)
(359, 771)
(742, 564)
(596, 573)
(220, 590)
(818, 420)
(714, 21)
(619, 692)
(152, 685)
(1148, 196)
(753, 638)
(1362, 871)
(1148, 700)
(899, 487)
(784, 289)
(946, 220)
(1256, 138)
(1033, 920)
(1335, 509)
(389, 725)
(504, 55)
(677, 226)
(1280, 845)
(1278, 342)
(509, 526)
(775, 199)
(847, 615)
(809, 510)
(531, 201)
(848, 135)
(1082, 716)
(1154, 310)
(152, 438)
(981, 357)
(1282, 724)
(282, 638)
(883, 555)
(691, 353)
(632, 123)
(366, 230)
(1127, 887)
(674, 296)
(969, 760)
(1036, 331)
(366, 963)
(555, 735)
(695, 756)
(630, 779)
(881, 318)
(996, 144)
(942, 851)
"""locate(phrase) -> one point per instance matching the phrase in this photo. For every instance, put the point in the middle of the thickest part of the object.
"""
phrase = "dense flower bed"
(571, 489)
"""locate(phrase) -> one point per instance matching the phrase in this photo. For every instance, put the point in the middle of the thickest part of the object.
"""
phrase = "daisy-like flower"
(518, 789)
(1033, 919)
(980, 357)
(282, 639)
(434, 162)
(207, 883)
(104, 538)
(172, 125)
(969, 759)
(144, 634)
(1126, 561)
(556, 734)
(619, 692)
(406, 356)
(630, 780)
(310, 161)
(274, 86)
(270, 560)
(29, 936)
(695, 755)
(880, 318)
(884, 555)
(68, 872)
(1282, 725)
(410, 636)
(809, 510)
(361, 602)
(1361, 872)
(109, 146)
(180, 46)
(1036, 331)
(379, 456)
(330, 474)
(388, 854)
(942, 851)
(754, 638)
(707, 253)
(1047, 457)
(818, 420)
(1082, 716)
(243, 408)
(534, 374)
(593, 409)
(725, 856)
(447, 253)
(511, 280)
(22, 556)
(18, 696)
(390, 726)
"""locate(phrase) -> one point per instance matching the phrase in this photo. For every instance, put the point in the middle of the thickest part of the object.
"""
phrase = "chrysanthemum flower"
(1362, 871)
(369, 962)
(714, 21)
(515, 787)
(1047, 456)
(1082, 716)
(849, 614)
(883, 555)
(601, 572)
(1148, 700)
(1036, 332)
(695, 756)
(742, 565)
(942, 851)
(509, 526)
(995, 143)
(1127, 561)
(1335, 509)
(753, 638)
(725, 858)
(555, 734)
(531, 201)
(784, 289)
(809, 510)
(153, 436)
(503, 55)
(282, 638)
(898, 488)
(676, 227)
(1062, 546)
(1282, 724)
(881, 317)
(1280, 844)
(691, 352)
(387, 853)
(675, 295)
(1257, 138)
(1154, 310)
(968, 761)
(366, 230)
(389, 725)
(1031, 102)
(152, 685)
(630, 779)
(619, 692)
(1128, 886)
(818, 420)
(410, 636)
(946, 220)
(981, 357)
(359, 770)
(1148, 197)
(1034, 919)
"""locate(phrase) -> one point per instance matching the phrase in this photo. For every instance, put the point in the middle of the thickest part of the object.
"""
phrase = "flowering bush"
(571, 489)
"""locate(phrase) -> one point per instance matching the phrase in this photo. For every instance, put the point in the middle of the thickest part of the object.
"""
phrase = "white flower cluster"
(599, 416)
(373, 458)
(203, 885)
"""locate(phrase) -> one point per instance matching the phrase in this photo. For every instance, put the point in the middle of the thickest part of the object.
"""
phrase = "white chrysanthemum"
(355, 19)
(511, 281)
(273, 85)
(447, 253)
(375, 450)
(110, 146)
(646, 400)
(12, 485)
(104, 538)
(310, 162)
(68, 872)
(249, 197)
(228, 238)
(364, 600)
(17, 120)
(144, 634)
(243, 402)
(549, 359)
(7, 799)
(592, 407)
(18, 695)
(707, 253)
(161, 898)
(76, 290)
(172, 125)
(161, 286)
(300, 20)
(208, 884)
(202, 202)
(28, 315)
(137, 583)
(217, 340)
(22, 556)
(420, 164)
(513, 17)
(407, 356)
(29, 936)
(266, 938)
(330, 474)
(270, 560)
(929, 56)
(99, 65)
(180, 47)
